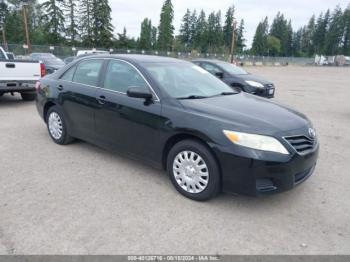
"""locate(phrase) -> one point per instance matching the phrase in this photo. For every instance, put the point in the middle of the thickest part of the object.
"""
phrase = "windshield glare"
(181, 80)
(230, 68)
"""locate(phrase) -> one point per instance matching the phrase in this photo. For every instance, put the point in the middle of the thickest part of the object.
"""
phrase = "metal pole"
(4, 38)
(26, 28)
(233, 41)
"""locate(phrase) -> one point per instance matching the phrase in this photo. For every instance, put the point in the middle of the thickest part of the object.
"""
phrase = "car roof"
(209, 60)
(139, 58)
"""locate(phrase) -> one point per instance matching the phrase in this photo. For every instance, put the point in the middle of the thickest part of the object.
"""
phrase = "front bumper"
(250, 176)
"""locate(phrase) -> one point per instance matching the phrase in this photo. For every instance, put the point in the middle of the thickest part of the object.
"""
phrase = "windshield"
(48, 59)
(232, 69)
(183, 80)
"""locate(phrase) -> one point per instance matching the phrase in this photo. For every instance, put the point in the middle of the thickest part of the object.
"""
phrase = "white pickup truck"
(19, 76)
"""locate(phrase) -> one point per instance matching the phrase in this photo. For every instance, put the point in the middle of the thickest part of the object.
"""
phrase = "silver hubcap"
(191, 172)
(55, 125)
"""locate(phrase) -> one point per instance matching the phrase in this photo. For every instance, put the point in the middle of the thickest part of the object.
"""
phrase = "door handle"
(60, 87)
(8, 65)
(101, 100)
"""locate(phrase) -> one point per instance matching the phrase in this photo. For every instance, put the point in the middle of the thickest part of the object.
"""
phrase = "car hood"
(248, 113)
(254, 78)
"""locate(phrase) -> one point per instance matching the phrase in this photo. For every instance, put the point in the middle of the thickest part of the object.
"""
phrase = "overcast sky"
(130, 13)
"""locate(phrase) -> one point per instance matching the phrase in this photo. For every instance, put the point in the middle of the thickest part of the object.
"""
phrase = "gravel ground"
(79, 199)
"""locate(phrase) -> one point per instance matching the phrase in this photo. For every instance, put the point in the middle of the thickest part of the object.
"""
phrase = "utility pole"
(233, 40)
(26, 28)
(2, 28)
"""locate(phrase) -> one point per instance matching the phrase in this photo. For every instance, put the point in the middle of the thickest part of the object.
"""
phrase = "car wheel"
(193, 170)
(28, 96)
(56, 126)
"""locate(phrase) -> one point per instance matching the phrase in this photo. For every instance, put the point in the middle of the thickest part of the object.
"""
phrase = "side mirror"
(139, 92)
(219, 74)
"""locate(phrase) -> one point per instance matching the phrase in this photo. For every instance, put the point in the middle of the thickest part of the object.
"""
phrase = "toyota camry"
(176, 116)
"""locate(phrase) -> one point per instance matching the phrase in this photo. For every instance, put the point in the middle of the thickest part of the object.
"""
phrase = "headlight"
(255, 84)
(259, 142)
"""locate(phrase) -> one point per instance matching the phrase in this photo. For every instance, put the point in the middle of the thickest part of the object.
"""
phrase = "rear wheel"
(193, 170)
(56, 126)
(28, 96)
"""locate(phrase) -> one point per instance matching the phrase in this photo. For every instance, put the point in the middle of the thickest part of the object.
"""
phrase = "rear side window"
(121, 76)
(68, 75)
(88, 72)
(211, 68)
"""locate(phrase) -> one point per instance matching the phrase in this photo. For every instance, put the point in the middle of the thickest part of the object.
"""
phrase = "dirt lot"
(79, 199)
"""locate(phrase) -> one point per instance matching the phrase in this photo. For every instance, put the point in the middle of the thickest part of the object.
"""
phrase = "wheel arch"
(173, 140)
(47, 106)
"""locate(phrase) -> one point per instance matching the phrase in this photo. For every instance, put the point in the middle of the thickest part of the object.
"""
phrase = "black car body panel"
(146, 131)
(239, 80)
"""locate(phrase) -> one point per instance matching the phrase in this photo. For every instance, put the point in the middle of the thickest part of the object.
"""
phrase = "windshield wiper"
(192, 97)
(228, 93)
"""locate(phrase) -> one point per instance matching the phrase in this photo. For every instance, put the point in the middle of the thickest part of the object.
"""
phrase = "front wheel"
(56, 126)
(193, 170)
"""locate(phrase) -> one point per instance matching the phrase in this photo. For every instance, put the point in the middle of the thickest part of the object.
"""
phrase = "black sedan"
(52, 63)
(238, 78)
(175, 115)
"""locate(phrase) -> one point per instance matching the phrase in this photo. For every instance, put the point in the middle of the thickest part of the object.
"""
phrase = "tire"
(56, 126)
(28, 96)
(184, 170)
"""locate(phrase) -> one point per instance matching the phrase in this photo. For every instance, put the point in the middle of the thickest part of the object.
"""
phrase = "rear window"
(88, 72)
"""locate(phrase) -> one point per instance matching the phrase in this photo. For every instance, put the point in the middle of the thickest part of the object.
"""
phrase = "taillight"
(37, 86)
(42, 69)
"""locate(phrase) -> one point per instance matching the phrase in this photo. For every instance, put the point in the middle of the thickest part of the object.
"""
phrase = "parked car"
(69, 59)
(238, 78)
(11, 56)
(19, 76)
(175, 115)
(51, 62)
(92, 52)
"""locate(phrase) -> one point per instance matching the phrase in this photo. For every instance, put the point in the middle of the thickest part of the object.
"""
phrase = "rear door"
(125, 123)
(77, 89)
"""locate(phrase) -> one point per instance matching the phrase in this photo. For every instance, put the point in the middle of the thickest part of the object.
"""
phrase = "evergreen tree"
(102, 21)
(154, 37)
(166, 28)
(346, 44)
(72, 27)
(320, 34)
(123, 40)
(185, 29)
(193, 26)
(240, 41)
(296, 43)
(146, 35)
(54, 20)
(86, 22)
(3, 14)
(280, 29)
(228, 26)
(335, 33)
(259, 46)
(200, 37)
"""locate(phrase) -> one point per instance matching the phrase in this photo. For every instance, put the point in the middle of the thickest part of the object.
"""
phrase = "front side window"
(88, 72)
(121, 76)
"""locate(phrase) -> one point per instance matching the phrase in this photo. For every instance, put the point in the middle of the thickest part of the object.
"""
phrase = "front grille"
(302, 144)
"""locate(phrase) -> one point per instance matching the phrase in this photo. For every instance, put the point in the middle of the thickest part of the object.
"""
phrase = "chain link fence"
(21, 51)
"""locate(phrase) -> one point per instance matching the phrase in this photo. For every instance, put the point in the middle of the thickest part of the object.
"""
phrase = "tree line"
(328, 34)
(88, 23)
